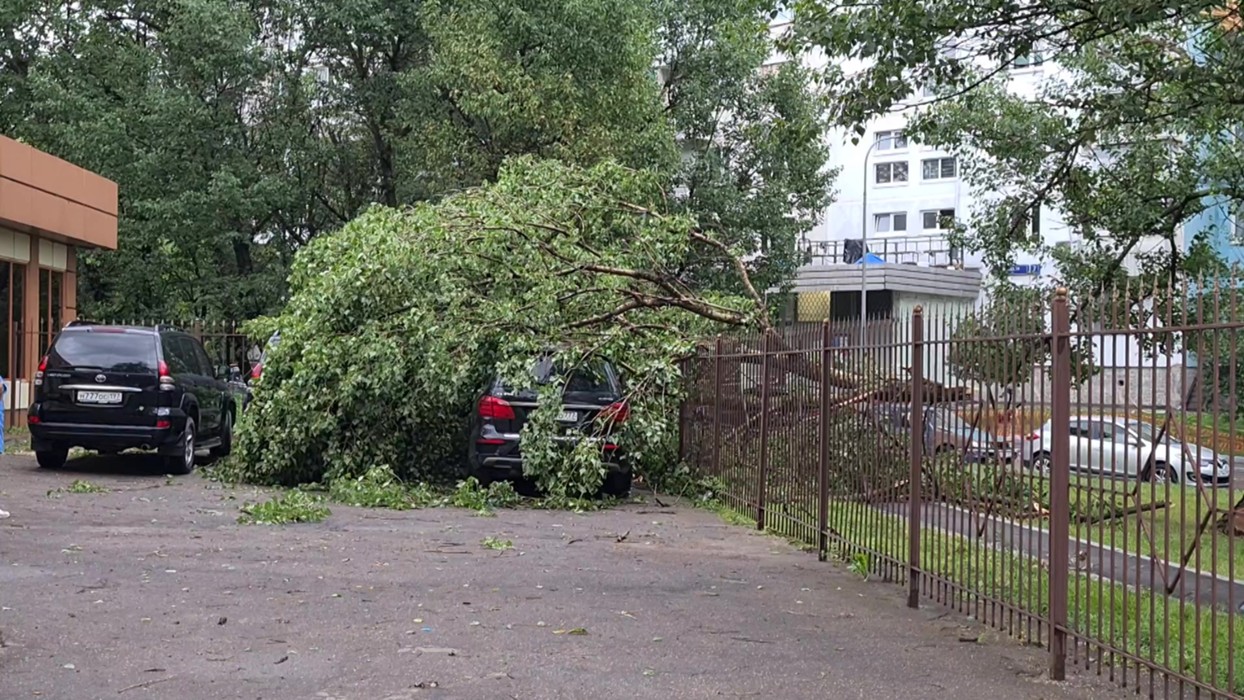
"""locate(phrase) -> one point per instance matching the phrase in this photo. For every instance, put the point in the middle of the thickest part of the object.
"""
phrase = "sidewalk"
(155, 583)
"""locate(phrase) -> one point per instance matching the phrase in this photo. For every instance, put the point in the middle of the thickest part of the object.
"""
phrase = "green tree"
(752, 129)
(1134, 136)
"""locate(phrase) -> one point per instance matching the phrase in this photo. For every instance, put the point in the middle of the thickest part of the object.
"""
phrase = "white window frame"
(888, 141)
(892, 182)
(890, 218)
(941, 214)
(940, 177)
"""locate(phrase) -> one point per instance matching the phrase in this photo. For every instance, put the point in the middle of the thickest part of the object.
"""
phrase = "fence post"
(822, 477)
(914, 510)
(717, 410)
(1060, 477)
(763, 483)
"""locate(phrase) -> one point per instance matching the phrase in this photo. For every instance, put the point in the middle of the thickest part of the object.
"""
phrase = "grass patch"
(1171, 529)
(1154, 627)
(293, 506)
(78, 486)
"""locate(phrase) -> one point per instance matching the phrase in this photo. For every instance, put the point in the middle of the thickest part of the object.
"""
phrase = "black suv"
(593, 407)
(113, 388)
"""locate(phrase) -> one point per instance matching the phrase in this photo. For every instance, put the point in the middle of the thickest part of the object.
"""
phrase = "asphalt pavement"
(153, 590)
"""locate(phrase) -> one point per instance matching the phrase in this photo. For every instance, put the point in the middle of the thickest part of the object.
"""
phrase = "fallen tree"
(397, 322)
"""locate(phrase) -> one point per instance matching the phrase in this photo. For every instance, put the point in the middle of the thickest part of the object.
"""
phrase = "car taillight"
(493, 407)
(32, 419)
(43, 366)
(257, 370)
(162, 423)
(616, 412)
(1034, 437)
(166, 378)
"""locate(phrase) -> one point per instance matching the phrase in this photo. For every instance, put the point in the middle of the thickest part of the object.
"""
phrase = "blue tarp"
(870, 259)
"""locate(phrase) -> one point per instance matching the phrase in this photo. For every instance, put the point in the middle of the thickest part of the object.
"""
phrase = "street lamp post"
(864, 236)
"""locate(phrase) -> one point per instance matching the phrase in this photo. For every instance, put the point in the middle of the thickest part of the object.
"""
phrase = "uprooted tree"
(396, 323)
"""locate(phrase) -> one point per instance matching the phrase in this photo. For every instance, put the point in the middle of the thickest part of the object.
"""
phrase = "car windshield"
(108, 351)
(1149, 434)
(593, 378)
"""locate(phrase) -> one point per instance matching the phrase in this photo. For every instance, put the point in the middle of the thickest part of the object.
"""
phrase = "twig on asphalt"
(145, 684)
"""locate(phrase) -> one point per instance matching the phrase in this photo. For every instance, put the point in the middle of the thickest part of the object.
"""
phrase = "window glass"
(108, 351)
(173, 355)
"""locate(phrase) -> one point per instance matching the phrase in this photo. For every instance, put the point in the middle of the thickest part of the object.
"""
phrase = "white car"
(1122, 447)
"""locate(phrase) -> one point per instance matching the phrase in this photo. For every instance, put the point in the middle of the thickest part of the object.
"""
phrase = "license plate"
(568, 417)
(99, 397)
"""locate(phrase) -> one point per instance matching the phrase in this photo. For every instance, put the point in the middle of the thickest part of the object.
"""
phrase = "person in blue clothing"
(4, 392)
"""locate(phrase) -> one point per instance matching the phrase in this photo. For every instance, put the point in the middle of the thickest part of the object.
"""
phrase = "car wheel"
(1165, 475)
(52, 459)
(183, 461)
(1041, 463)
(225, 448)
(617, 484)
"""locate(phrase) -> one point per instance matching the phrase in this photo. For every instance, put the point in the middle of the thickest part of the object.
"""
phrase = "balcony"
(926, 266)
(923, 251)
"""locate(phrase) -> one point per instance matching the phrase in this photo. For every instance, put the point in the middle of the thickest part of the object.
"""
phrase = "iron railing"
(927, 251)
(993, 464)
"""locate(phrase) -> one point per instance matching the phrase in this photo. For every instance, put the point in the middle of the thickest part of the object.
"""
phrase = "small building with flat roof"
(49, 209)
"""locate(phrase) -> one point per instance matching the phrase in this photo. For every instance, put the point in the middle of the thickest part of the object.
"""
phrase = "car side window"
(1079, 429)
(201, 357)
(187, 345)
(173, 355)
(181, 345)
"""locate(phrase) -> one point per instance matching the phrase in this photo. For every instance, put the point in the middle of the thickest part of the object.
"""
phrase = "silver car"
(1121, 447)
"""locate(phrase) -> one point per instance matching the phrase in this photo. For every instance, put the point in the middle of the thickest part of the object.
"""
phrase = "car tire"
(225, 448)
(52, 459)
(1163, 473)
(183, 461)
(617, 484)
(1040, 463)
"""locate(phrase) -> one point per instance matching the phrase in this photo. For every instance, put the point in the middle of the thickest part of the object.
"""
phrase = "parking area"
(152, 589)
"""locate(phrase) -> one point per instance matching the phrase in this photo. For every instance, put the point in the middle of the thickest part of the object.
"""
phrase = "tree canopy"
(240, 132)
(1134, 134)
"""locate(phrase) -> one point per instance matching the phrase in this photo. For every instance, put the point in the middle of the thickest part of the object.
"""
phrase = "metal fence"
(1069, 473)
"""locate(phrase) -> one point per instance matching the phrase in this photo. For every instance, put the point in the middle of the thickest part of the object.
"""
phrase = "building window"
(937, 219)
(1031, 59)
(13, 330)
(891, 172)
(1035, 222)
(1237, 225)
(891, 141)
(50, 283)
(940, 168)
(890, 223)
